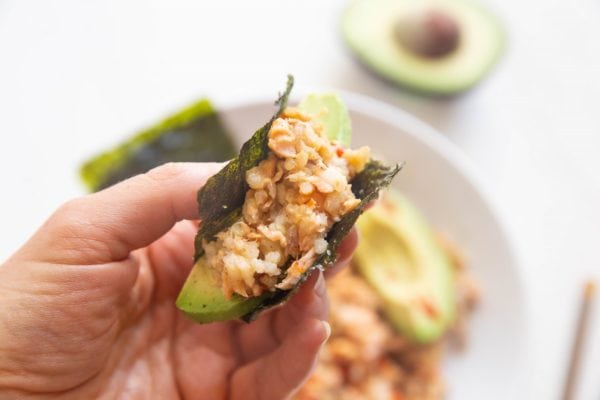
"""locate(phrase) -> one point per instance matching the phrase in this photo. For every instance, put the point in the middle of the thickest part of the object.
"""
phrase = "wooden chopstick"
(589, 291)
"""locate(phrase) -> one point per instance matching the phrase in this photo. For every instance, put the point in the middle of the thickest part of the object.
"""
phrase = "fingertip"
(310, 302)
(312, 333)
(192, 174)
(327, 329)
(319, 287)
(307, 289)
(370, 204)
(347, 246)
(345, 251)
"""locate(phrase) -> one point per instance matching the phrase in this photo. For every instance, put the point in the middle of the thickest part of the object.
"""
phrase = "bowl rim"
(431, 137)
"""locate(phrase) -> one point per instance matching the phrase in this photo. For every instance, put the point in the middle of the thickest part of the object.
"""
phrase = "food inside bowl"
(370, 355)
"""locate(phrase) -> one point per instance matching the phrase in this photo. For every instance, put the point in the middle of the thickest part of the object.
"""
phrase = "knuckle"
(69, 210)
(68, 218)
(165, 172)
(71, 233)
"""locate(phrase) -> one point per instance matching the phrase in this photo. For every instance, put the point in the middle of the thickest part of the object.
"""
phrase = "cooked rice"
(295, 196)
(365, 359)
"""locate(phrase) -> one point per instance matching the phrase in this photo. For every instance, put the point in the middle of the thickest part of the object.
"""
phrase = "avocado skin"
(445, 87)
(400, 258)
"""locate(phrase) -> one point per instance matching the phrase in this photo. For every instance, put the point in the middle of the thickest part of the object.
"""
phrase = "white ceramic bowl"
(440, 181)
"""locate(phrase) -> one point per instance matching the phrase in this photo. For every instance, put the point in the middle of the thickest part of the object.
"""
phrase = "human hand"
(87, 306)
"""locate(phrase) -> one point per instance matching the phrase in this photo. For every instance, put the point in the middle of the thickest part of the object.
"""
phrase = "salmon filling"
(296, 194)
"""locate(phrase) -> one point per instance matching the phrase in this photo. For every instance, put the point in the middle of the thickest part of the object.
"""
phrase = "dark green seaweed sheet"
(222, 197)
(193, 134)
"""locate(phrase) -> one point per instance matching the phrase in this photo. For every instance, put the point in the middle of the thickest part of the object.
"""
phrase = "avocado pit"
(430, 34)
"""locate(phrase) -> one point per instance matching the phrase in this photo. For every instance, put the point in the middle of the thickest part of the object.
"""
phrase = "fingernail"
(327, 329)
(320, 285)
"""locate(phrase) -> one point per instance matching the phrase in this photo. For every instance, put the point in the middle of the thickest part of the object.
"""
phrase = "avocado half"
(400, 258)
(437, 47)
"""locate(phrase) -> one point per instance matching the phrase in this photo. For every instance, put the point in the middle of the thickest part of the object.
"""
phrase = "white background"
(76, 76)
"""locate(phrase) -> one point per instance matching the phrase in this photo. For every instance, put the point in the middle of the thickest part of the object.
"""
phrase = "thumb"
(106, 226)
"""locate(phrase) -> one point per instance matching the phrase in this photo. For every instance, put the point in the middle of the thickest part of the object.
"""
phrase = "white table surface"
(76, 76)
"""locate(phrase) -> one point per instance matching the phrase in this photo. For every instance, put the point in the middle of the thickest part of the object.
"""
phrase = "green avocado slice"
(220, 202)
(330, 110)
(383, 34)
(400, 258)
(202, 299)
